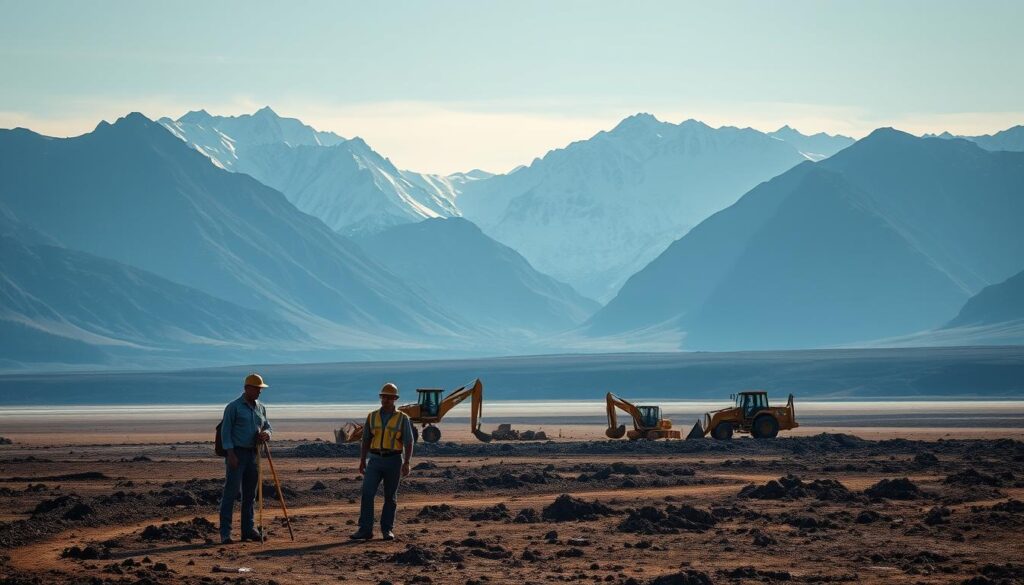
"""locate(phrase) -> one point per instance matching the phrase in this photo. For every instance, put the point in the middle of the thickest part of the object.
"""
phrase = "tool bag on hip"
(218, 447)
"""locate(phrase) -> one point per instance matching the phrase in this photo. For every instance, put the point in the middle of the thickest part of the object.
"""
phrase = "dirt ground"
(812, 507)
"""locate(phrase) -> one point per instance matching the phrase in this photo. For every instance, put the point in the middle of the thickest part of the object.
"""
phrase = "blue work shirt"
(242, 423)
(384, 418)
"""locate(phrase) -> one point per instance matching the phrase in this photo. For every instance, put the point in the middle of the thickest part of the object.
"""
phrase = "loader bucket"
(697, 432)
(615, 433)
(346, 432)
(482, 435)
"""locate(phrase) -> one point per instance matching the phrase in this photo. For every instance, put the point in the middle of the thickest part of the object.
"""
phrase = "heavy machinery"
(647, 421)
(427, 411)
(751, 414)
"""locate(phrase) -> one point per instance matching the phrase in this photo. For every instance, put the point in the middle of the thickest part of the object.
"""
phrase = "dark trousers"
(244, 477)
(378, 469)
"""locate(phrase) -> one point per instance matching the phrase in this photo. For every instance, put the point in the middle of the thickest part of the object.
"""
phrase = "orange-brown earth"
(800, 509)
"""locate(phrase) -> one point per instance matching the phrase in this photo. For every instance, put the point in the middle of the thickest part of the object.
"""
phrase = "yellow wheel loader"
(427, 411)
(647, 421)
(751, 414)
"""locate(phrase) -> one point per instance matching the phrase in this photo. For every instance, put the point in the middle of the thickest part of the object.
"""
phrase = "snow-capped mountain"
(343, 182)
(594, 213)
(889, 237)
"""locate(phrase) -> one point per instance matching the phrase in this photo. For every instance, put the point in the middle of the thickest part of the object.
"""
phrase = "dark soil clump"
(439, 512)
(651, 520)
(687, 577)
(895, 489)
(415, 556)
(566, 508)
(195, 529)
(791, 487)
(494, 513)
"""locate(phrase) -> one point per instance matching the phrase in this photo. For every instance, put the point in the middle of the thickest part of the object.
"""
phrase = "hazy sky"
(453, 85)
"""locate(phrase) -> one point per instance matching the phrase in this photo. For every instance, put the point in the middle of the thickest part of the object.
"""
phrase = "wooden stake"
(280, 494)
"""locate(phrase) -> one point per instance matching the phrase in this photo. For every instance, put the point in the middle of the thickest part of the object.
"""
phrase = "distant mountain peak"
(196, 116)
(639, 121)
(266, 111)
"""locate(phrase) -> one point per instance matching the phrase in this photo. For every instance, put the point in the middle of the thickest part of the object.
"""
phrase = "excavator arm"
(613, 402)
(475, 391)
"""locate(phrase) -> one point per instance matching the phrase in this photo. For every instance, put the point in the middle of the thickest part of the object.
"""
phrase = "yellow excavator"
(647, 421)
(427, 411)
(751, 414)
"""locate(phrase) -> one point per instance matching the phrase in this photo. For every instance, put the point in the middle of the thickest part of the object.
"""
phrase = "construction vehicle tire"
(415, 434)
(431, 434)
(722, 431)
(765, 427)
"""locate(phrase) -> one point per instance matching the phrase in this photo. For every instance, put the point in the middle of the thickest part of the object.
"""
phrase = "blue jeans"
(244, 477)
(378, 469)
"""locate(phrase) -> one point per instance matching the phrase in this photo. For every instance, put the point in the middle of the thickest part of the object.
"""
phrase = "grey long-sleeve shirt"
(242, 423)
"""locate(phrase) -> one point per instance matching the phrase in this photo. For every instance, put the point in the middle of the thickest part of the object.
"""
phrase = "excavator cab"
(429, 400)
(750, 403)
(650, 416)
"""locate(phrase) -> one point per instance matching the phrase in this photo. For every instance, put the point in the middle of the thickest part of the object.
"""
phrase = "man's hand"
(362, 466)
(263, 437)
(405, 469)
(232, 459)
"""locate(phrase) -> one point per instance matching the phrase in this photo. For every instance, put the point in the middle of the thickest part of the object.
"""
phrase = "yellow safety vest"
(386, 438)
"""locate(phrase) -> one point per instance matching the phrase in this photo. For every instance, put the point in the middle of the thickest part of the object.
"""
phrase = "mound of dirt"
(752, 573)
(526, 516)
(566, 508)
(895, 489)
(492, 514)
(414, 555)
(195, 529)
(424, 466)
(78, 512)
(792, 487)
(925, 460)
(87, 553)
(971, 477)
(650, 520)
(992, 574)
(687, 577)
(62, 502)
(439, 512)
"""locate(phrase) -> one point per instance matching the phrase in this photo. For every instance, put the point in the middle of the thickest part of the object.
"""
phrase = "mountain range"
(887, 237)
(597, 211)
(132, 193)
(344, 183)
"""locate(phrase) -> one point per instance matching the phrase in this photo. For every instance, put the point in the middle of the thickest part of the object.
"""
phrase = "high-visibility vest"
(386, 438)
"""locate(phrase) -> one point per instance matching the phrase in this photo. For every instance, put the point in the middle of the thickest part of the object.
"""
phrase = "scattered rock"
(414, 555)
(687, 577)
(195, 529)
(439, 512)
(791, 487)
(895, 489)
(566, 508)
(494, 513)
(527, 516)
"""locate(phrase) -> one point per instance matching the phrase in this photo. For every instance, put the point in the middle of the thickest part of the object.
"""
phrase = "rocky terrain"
(824, 508)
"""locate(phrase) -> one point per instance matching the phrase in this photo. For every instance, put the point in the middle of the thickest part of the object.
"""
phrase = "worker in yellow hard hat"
(387, 442)
(244, 427)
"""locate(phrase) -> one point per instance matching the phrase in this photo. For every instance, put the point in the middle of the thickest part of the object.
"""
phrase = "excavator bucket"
(481, 435)
(615, 432)
(347, 432)
(697, 432)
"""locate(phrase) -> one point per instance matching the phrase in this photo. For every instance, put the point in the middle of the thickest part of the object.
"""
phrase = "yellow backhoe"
(751, 414)
(647, 421)
(428, 410)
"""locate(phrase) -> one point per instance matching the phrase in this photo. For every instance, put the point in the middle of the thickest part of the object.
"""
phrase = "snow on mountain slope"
(342, 182)
(596, 212)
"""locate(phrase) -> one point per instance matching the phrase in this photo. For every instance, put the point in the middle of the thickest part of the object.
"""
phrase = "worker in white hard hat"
(244, 427)
(387, 442)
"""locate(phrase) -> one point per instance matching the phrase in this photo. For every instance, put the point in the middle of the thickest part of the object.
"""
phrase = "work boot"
(255, 536)
(227, 540)
(361, 535)
(388, 535)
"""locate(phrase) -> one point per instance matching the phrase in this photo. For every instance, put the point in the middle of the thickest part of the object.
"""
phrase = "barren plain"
(131, 501)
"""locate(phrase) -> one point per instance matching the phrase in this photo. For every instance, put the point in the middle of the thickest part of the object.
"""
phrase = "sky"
(445, 86)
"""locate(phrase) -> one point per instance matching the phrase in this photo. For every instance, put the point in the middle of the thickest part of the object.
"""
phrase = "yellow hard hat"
(389, 389)
(255, 380)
